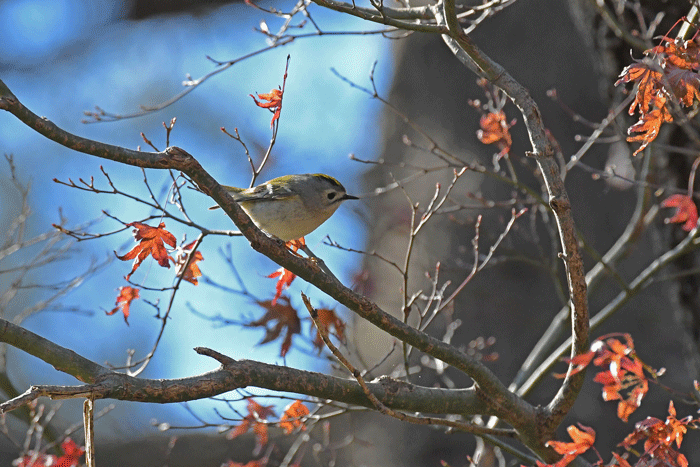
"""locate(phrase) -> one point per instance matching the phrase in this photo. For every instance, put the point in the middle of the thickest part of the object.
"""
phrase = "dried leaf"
(649, 85)
(256, 414)
(126, 296)
(495, 130)
(686, 211)
(659, 437)
(274, 103)
(285, 280)
(283, 316)
(582, 438)
(649, 124)
(192, 272)
(152, 241)
(326, 319)
(291, 418)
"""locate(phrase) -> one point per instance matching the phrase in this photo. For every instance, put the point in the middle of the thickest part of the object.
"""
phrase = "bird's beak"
(347, 196)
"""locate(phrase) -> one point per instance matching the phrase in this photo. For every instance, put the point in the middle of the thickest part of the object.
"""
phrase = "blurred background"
(64, 57)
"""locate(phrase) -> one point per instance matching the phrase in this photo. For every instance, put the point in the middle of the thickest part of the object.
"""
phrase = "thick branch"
(234, 374)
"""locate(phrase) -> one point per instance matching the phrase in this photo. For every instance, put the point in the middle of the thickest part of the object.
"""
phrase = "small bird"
(291, 206)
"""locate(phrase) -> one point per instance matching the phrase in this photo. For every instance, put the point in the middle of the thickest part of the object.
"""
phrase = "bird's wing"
(263, 192)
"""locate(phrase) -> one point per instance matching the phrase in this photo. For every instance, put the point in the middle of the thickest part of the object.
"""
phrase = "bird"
(291, 206)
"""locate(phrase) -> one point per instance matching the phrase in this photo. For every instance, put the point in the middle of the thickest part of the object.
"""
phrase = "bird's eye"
(331, 195)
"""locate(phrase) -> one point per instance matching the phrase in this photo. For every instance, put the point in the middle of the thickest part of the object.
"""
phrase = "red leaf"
(649, 124)
(126, 296)
(582, 438)
(686, 211)
(495, 130)
(285, 280)
(580, 362)
(274, 103)
(284, 316)
(659, 438)
(256, 415)
(291, 418)
(649, 81)
(192, 272)
(152, 242)
(326, 319)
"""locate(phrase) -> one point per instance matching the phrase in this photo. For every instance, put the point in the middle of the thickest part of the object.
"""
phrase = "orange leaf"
(285, 316)
(677, 428)
(681, 56)
(625, 372)
(291, 418)
(684, 84)
(686, 211)
(580, 362)
(192, 272)
(649, 81)
(495, 130)
(285, 280)
(274, 103)
(582, 438)
(611, 385)
(659, 438)
(326, 319)
(152, 242)
(259, 411)
(240, 429)
(649, 124)
(126, 296)
(626, 407)
(256, 413)
(260, 431)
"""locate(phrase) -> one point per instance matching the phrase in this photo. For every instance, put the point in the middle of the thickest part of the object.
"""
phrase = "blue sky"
(64, 57)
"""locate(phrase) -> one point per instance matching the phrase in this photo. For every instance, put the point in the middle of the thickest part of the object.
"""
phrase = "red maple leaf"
(686, 211)
(273, 98)
(192, 272)
(583, 439)
(254, 420)
(625, 371)
(282, 316)
(623, 378)
(70, 458)
(684, 55)
(649, 81)
(285, 280)
(274, 103)
(126, 296)
(152, 242)
(659, 437)
(649, 123)
(327, 318)
(684, 84)
(291, 418)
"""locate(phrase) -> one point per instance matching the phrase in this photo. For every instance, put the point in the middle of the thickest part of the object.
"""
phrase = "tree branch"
(500, 400)
(469, 54)
(233, 374)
